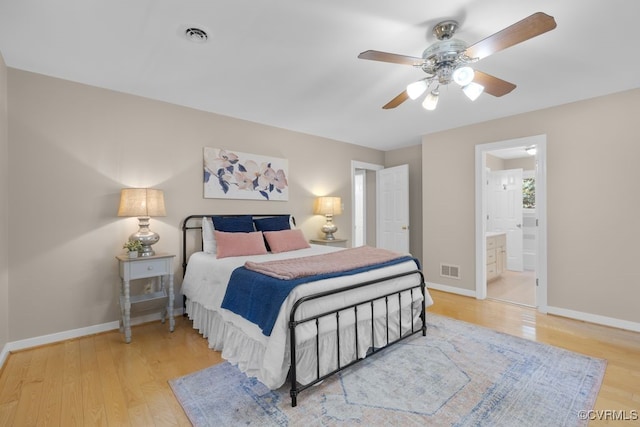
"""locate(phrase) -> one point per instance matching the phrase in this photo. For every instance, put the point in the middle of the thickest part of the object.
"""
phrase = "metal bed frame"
(367, 304)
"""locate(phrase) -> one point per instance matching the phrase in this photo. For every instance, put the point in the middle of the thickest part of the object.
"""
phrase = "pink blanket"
(348, 259)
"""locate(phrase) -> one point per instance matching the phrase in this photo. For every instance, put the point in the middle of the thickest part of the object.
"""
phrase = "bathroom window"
(528, 193)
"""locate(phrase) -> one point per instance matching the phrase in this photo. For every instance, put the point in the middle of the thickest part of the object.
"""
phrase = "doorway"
(511, 208)
(363, 195)
(380, 206)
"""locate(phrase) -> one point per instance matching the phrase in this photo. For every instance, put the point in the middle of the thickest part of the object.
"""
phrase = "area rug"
(458, 375)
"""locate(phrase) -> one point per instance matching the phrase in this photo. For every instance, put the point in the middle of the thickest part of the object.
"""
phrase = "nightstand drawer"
(149, 268)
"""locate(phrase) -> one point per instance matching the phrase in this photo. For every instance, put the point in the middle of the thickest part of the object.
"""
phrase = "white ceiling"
(293, 63)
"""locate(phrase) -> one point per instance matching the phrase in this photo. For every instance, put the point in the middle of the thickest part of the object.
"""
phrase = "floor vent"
(450, 271)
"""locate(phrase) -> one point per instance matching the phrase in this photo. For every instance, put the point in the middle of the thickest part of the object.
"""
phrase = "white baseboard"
(75, 333)
(571, 314)
(595, 318)
(452, 289)
(4, 354)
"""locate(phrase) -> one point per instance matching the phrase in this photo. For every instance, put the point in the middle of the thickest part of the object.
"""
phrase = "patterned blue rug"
(458, 375)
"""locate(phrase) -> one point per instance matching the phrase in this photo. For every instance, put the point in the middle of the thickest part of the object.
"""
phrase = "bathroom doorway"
(511, 221)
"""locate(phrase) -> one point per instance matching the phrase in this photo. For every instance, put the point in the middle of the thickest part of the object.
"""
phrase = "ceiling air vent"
(196, 35)
(450, 271)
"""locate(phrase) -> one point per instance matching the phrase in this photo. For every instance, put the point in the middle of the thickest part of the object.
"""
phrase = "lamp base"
(146, 237)
(329, 228)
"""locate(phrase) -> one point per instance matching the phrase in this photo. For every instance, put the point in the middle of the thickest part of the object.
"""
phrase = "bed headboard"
(193, 224)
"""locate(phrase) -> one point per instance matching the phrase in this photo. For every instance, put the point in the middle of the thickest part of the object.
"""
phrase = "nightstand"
(338, 243)
(159, 265)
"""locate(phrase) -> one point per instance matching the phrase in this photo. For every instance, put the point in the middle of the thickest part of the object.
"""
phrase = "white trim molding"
(594, 318)
(356, 164)
(52, 338)
(75, 333)
(540, 141)
(4, 354)
(452, 289)
(556, 311)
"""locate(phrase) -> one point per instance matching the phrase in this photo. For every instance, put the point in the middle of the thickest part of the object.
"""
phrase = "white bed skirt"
(249, 354)
(235, 345)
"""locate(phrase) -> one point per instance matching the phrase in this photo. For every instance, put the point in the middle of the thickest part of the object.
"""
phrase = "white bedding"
(267, 358)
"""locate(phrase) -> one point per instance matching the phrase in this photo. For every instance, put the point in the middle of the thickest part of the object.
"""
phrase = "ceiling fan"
(449, 60)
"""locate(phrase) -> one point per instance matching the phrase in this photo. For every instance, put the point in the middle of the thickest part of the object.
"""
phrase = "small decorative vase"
(133, 254)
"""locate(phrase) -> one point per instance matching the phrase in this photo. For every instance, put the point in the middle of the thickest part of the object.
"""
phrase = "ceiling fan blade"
(394, 58)
(493, 85)
(396, 101)
(529, 27)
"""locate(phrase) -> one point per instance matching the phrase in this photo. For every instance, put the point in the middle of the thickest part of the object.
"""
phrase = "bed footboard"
(366, 304)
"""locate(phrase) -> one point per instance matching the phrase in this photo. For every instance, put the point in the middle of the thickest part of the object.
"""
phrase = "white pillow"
(208, 237)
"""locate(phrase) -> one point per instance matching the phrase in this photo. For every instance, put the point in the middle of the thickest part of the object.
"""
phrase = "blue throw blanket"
(258, 297)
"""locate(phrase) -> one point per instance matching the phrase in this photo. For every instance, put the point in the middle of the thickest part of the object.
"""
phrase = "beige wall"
(495, 163)
(73, 147)
(524, 163)
(592, 175)
(4, 208)
(411, 156)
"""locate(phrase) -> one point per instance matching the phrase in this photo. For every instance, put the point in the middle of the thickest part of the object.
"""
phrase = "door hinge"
(536, 222)
(537, 284)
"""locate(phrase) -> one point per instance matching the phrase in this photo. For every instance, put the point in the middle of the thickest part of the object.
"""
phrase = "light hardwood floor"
(514, 286)
(100, 381)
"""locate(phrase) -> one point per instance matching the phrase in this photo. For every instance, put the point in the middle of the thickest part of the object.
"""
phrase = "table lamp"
(142, 203)
(328, 206)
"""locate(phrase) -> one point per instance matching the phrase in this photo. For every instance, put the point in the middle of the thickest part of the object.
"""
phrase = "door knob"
(519, 225)
(404, 227)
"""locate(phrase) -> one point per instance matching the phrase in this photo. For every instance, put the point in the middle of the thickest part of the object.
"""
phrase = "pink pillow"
(239, 244)
(285, 240)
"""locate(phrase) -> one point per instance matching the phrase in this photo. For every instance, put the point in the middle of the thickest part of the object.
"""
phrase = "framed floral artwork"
(235, 175)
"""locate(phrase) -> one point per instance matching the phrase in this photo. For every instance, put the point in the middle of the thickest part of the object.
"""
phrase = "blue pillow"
(272, 223)
(233, 224)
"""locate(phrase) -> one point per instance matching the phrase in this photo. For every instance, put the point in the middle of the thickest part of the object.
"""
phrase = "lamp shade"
(328, 206)
(141, 202)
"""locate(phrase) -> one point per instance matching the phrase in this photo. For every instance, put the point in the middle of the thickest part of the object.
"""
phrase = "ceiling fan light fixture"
(431, 100)
(449, 59)
(473, 90)
(415, 89)
(463, 75)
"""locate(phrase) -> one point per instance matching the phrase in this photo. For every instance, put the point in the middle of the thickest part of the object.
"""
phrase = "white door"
(392, 188)
(504, 210)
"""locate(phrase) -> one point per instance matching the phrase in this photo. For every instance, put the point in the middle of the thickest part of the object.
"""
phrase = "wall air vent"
(450, 271)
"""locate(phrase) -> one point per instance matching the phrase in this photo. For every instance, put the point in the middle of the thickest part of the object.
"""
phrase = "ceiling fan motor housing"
(442, 58)
(445, 29)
